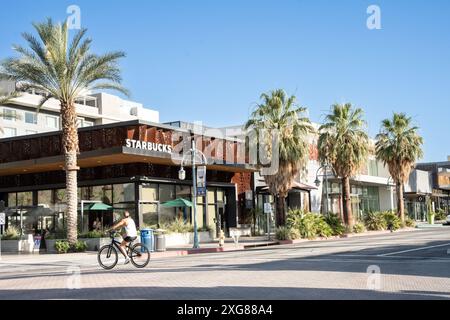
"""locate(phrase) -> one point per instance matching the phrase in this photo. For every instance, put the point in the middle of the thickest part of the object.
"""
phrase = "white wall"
(386, 199)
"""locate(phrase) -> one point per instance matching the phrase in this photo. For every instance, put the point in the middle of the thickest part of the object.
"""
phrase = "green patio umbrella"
(177, 203)
(98, 206)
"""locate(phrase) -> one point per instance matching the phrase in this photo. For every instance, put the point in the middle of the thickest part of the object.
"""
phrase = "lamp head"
(317, 182)
(182, 174)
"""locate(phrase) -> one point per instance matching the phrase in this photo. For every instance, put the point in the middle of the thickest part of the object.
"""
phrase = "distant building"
(21, 117)
(440, 183)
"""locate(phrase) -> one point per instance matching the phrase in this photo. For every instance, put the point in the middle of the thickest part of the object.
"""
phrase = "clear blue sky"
(210, 60)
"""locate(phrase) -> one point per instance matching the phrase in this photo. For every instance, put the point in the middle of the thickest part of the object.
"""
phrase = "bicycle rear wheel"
(107, 257)
(140, 255)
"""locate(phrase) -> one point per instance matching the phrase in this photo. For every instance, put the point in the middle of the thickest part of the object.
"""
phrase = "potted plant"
(11, 240)
(94, 240)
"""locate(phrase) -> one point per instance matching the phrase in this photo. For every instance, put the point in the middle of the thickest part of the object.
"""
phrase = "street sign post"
(248, 199)
(268, 212)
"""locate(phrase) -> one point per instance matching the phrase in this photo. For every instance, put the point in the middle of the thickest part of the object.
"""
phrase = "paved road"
(412, 265)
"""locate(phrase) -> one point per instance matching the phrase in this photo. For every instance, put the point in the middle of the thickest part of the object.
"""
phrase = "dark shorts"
(129, 239)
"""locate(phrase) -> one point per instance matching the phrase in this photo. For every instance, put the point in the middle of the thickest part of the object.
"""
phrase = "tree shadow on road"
(222, 292)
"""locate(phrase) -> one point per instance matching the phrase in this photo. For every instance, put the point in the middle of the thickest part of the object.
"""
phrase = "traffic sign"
(267, 207)
(2, 218)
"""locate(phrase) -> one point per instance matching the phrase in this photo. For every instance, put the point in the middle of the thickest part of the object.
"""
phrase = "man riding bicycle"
(130, 233)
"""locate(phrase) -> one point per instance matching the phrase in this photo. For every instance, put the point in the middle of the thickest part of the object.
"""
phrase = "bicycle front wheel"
(140, 255)
(107, 257)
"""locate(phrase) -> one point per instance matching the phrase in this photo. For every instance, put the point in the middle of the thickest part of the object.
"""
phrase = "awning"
(294, 186)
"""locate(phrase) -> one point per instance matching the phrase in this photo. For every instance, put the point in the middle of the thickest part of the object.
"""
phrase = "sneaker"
(127, 260)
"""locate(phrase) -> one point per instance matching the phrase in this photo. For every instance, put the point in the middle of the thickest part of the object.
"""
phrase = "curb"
(179, 253)
(345, 236)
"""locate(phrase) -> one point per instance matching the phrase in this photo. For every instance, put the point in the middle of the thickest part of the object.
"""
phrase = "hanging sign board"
(201, 181)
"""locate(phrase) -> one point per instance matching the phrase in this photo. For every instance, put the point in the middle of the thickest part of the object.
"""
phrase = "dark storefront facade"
(129, 166)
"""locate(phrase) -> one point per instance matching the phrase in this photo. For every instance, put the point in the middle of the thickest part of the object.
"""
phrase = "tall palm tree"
(343, 143)
(279, 116)
(399, 147)
(64, 69)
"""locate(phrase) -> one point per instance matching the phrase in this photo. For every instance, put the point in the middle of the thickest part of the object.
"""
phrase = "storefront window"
(149, 192)
(25, 198)
(45, 197)
(12, 199)
(183, 192)
(60, 196)
(167, 193)
(150, 214)
(123, 193)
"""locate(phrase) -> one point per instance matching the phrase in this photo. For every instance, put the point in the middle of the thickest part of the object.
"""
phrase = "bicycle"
(108, 257)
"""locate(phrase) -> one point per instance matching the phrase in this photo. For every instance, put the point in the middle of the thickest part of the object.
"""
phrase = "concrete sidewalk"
(211, 247)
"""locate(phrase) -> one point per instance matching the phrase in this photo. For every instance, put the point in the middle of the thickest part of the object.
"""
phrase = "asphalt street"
(401, 265)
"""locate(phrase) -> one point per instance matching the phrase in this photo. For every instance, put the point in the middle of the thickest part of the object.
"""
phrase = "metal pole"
(194, 185)
(82, 213)
(326, 189)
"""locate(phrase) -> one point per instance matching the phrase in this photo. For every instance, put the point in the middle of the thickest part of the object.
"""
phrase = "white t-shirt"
(130, 228)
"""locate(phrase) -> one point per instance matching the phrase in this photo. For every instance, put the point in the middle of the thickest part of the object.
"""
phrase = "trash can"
(160, 241)
(147, 239)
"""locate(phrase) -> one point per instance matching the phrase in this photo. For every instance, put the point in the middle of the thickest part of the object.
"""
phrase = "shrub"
(375, 221)
(294, 218)
(178, 226)
(335, 222)
(359, 227)
(92, 235)
(410, 223)
(80, 246)
(310, 225)
(287, 233)
(205, 229)
(12, 233)
(393, 222)
(440, 215)
(323, 229)
(62, 246)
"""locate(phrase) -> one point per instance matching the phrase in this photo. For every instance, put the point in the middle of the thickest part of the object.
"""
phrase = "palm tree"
(399, 147)
(279, 116)
(64, 70)
(343, 143)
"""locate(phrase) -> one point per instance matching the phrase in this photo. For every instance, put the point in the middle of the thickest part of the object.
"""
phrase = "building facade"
(128, 165)
(439, 176)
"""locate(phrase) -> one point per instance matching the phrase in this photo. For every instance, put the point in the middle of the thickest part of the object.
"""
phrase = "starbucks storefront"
(127, 166)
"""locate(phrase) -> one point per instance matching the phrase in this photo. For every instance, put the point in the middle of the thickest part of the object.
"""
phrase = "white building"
(372, 189)
(21, 117)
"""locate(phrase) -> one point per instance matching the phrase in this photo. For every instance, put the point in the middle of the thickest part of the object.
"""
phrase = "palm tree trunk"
(70, 144)
(346, 202)
(400, 202)
(280, 214)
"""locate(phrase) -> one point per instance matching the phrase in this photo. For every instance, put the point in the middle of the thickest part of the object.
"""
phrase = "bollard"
(221, 238)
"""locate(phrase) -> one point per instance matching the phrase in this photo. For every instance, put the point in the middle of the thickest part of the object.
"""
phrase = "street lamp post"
(182, 176)
(324, 167)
